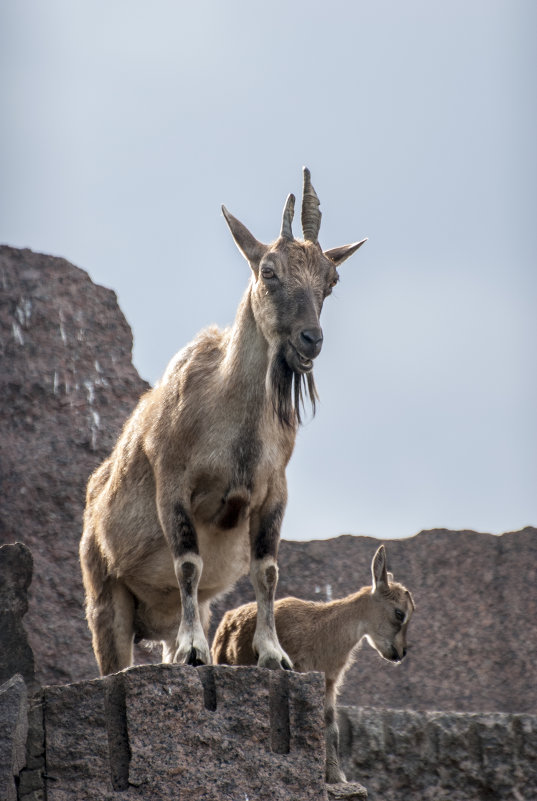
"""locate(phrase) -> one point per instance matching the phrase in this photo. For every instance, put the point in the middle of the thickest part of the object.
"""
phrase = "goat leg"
(265, 539)
(192, 647)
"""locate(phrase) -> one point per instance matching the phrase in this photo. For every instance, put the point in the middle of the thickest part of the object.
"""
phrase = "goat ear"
(338, 255)
(252, 250)
(378, 568)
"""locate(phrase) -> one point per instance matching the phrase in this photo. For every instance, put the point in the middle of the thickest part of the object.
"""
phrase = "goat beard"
(288, 388)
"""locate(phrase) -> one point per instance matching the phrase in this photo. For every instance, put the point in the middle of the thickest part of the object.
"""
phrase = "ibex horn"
(311, 215)
(287, 219)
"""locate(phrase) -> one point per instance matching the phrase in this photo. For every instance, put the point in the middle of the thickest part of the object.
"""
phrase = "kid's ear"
(379, 573)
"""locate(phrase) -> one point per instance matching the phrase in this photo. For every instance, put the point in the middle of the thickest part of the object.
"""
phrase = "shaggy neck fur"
(254, 364)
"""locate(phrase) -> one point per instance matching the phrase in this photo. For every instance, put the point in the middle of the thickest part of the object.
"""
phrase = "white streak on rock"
(17, 333)
(94, 427)
(90, 390)
(62, 329)
(24, 311)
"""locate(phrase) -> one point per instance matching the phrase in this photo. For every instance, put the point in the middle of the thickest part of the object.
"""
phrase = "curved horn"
(287, 219)
(311, 215)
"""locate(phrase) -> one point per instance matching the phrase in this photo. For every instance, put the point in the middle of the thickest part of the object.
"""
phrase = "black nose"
(395, 654)
(311, 341)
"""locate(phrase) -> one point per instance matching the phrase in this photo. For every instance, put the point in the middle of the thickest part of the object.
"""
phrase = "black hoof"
(272, 664)
(193, 659)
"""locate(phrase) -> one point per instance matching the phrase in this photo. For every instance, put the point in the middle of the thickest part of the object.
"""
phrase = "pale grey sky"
(125, 125)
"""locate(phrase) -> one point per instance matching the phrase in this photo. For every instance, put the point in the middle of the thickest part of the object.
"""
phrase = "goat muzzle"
(311, 342)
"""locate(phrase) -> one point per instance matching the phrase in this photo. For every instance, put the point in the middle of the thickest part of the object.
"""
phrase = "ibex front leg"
(191, 644)
(265, 538)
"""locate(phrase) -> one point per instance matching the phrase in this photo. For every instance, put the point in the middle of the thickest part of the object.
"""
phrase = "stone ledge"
(206, 734)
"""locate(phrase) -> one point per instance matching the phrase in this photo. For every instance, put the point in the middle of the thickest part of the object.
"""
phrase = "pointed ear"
(252, 250)
(379, 573)
(338, 255)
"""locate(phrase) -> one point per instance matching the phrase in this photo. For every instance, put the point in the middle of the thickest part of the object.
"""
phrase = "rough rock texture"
(401, 755)
(168, 732)
(473, 636)
(66, 386)
(31, 782)
(15, 577)
(346, 791)
(13, 732)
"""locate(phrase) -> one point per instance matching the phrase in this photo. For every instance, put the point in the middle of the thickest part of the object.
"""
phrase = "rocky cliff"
(66, 386)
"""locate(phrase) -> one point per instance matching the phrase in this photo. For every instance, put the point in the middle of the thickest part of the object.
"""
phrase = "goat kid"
(194, 491)
(323, 637)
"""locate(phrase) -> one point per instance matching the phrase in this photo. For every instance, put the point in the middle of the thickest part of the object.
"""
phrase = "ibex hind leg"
(334, 774)
(111, 620)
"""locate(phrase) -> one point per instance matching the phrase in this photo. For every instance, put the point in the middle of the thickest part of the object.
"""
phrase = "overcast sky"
(125, 125)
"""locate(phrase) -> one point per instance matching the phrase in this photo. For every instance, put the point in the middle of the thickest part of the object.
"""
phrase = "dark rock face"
(13, 733)
(168, 732)
(15, 577)
(402, 754)
(66, 386)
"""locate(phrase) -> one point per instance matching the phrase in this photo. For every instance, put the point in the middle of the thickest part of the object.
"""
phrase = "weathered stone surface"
(31, 778)
(77, 742)
(206, 734)
(349, 791)
(15, 577)
(13, 731)
(401, 754)
(66, 386)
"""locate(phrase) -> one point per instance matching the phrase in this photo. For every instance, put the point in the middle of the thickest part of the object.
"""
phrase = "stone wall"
(435, 756)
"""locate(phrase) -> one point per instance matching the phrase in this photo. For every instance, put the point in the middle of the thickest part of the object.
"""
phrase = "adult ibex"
(194, 491)
(323, 637)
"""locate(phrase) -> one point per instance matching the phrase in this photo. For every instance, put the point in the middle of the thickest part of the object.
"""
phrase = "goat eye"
(400, 615)
(267, 272)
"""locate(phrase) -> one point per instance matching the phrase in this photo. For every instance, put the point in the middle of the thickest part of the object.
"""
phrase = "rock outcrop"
(67, 384)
